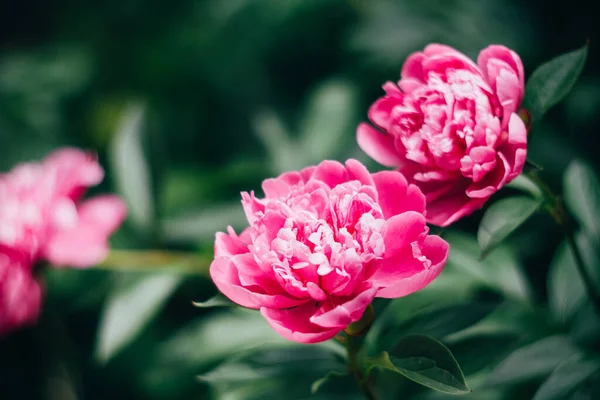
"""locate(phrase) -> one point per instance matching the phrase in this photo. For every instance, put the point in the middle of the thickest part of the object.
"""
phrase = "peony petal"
(402, 230)
(413, 67)
(346, 313)
(378, 146)
(449, 208)
(395, 195)
(359, 172)
(331, 172)
(105, 213)
(81, 246)
(507, 56)
(380, 113)
(294, 324)
(228, 244)
(225, 276)
(435, 249)
(275, 188)
(493, 181)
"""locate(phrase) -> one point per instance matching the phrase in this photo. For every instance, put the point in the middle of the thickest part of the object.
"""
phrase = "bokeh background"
(188, 103)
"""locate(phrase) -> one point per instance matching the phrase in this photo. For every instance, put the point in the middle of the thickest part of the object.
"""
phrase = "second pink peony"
(451, 126)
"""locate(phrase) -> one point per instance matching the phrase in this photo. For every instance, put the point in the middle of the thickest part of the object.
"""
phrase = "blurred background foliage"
(188, 103)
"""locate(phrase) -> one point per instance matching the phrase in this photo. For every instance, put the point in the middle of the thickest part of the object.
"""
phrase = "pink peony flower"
(451, 127)
(20, 293)
(42, 214)
(322, 244)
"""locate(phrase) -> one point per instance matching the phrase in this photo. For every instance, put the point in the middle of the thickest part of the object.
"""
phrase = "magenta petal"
(449, 209)
(402, 230)
(413, 67)
(493, 181)
(359, 172)
(378, 146)
(506, 55)
(331, 172)
(346, 313)
(435, 249)
(294, 324)
(225, 275)
(395, 196)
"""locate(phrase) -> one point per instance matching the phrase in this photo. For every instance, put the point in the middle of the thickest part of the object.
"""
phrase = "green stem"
(353, 344)
(556, 208)
(155, 260)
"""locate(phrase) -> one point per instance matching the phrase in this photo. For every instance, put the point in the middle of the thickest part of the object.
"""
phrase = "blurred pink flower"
(322, 244)
(42, 214)
(451, 127)
(20, 293)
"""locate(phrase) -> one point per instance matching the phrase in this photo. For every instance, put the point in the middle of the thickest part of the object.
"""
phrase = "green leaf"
(581, 190)
(131, 171)
(552, 81)
(433, 321)
(500, 271)
(331, 375)
(279, 371)
(425, 361)
(566, 290)
(502, 218)
(320, 134)
(216, 301)
(524, 184)
(134, 302)
(532, 361)
(566, 379)
(202, 224)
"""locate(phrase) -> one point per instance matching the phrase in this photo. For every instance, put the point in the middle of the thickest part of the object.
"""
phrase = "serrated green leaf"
(425, 361)
(502, 218)
(552, 81)
(131, 171)
(566, 379)
(581, 191)
(532, 361)
(133, 303)
(216, 301)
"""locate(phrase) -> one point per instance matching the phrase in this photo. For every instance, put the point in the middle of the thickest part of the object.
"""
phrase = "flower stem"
(353, 345)
(556, 208)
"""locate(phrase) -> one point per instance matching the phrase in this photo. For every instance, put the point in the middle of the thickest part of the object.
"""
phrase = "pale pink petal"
(435, 249)
(20, 292)
(105, 213)
(294, 324)
(275, 188)
(378, 146)
(225, 276)
(227, 244)
(80, 247)
(74, 170)
(346, 313)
